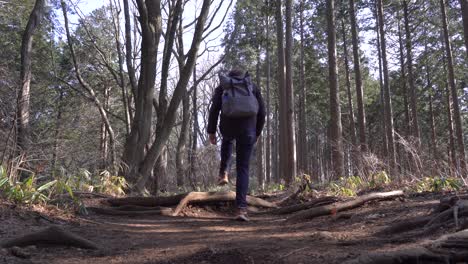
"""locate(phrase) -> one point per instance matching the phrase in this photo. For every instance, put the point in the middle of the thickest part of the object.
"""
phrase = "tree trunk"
(116, 24)
(129, 51)
(430, 89)
(381, 85)
(282, 149)
(352, 126)
(151, 29)
(358, 79)
(160, 172)
(180, 151)
(403, 83)
(409, 57)
(163, 130)
(290, 124)
(464, 9)
(302, 126)
(453, 89)
(452, 149)
(268, 141)
(387, 95)
(23, 140)
(335, 108)
(193, 151)
(259, 146)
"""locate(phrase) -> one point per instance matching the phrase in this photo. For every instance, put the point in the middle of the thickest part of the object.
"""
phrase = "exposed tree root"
(181, 200)
(299, 207)
(111, 211)
(405, 225)
(201, 197)
(341, 206)
(452, 248)
(52, 236)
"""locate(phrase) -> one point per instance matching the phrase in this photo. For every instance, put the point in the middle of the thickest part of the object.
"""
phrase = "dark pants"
(244, 147)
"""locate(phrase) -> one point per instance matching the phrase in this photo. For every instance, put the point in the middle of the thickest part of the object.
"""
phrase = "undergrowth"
(34, 189)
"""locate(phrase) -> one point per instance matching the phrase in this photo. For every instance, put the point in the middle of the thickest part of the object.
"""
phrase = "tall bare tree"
(335, 108)
(290, 124)
(453, 89)
(387, 95)
(23, 101)
(358, 78)
(282, 149)
(302, 151)
(412, 86)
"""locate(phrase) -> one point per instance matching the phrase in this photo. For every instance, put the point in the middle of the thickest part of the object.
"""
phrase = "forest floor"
(209, 235)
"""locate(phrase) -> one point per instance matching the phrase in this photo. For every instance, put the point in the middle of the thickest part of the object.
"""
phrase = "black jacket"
(232, 127)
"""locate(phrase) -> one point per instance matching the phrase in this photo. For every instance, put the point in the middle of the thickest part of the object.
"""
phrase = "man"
(244, 131)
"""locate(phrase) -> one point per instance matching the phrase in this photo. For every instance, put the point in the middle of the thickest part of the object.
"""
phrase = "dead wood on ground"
(342, 206)
(112, 211)
(451, 248)
(202, 197)
(51, 236)
(304, 206)
(180, 200)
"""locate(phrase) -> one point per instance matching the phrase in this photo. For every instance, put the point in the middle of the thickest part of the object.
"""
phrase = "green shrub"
(438, 184)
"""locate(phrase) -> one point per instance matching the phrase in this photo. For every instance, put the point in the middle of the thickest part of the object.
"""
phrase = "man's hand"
(212, 138)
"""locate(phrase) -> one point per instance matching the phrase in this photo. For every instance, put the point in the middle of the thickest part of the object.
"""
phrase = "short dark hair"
(236, 72)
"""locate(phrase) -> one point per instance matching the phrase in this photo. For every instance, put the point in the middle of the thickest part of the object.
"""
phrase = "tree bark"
(448, 94)
(268, 139)
(163, 130)
(181, 145)
(290, 124)
(409, 58)
(335, 108)
(302, 126)
(453, 89)
(381, 85)
(352, 126)
(282, 149)
(403, 83)
(129, 50)
(23, 140)
(150, 20)
(358, 79)
(387, 94)
(122, 84)
(464, 9)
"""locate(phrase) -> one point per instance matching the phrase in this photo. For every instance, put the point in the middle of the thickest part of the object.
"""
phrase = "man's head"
(236, 72)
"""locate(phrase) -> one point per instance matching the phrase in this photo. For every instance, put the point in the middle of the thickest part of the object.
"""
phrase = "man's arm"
(215, 108)
(261, 111)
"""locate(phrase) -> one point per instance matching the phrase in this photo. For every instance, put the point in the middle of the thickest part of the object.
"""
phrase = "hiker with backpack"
(242, 119)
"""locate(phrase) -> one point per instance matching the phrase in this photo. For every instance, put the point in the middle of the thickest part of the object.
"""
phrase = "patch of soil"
(208, 234)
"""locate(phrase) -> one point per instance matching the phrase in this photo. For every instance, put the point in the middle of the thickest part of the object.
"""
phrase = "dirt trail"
(215, 238)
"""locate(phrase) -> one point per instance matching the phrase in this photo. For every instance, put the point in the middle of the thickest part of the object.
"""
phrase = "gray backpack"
(238, 99)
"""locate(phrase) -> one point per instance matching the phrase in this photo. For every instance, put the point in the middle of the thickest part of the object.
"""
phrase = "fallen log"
(147, 201)
(201, 197)
(405, 225)
(51, 236)
(342, 206)
(110, 211)
(304, 206)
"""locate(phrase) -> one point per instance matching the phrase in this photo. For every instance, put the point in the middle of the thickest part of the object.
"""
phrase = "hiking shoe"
(241, 215)
(223, 179)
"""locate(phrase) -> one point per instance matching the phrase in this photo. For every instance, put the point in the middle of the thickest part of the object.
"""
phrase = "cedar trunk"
(335, 108)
